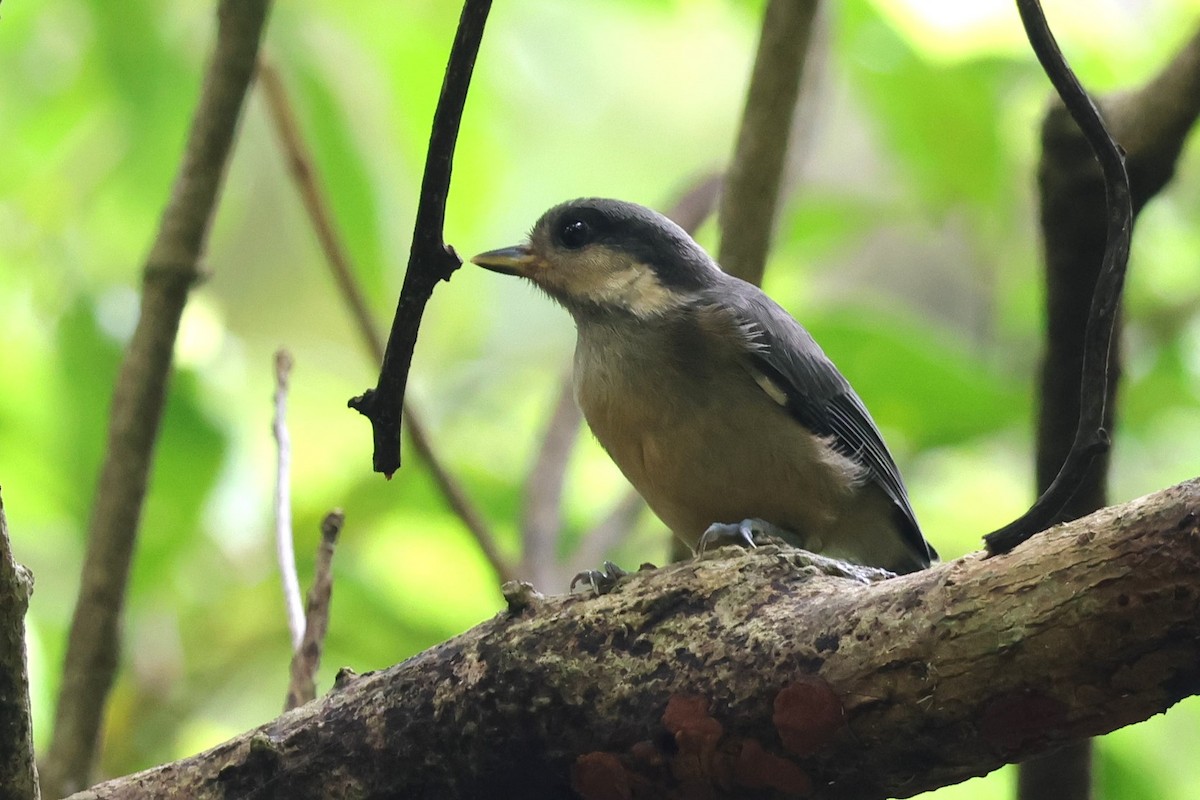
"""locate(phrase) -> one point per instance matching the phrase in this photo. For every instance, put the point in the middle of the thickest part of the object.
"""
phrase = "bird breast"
(680, 413)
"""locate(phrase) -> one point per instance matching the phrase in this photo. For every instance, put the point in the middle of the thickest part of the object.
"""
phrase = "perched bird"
(711, 399)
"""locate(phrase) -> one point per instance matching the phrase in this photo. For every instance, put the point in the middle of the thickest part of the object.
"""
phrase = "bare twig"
(541, 514)
(285, 551)
(304, 173)
(306, 659)
(169, 272)
(18, 772)
(751, 193)
(430, 260)
(1091, 437)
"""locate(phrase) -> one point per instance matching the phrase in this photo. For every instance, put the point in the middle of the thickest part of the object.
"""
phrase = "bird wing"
(816, 394)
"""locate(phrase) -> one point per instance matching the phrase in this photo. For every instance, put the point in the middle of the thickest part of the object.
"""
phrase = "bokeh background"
(907, 243)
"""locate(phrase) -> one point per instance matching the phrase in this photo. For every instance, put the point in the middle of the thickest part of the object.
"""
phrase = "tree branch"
(1091, 436)
(306, 658)
(169, 272)
(304, 174)
(430, 260)
(18, 772)
(840, 685)
(751, 193)
(1152, 122)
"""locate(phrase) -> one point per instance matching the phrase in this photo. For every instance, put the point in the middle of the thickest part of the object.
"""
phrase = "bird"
(716, 404)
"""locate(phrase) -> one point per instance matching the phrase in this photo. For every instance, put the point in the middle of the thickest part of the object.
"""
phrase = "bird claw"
(602, 580)
(749, 533)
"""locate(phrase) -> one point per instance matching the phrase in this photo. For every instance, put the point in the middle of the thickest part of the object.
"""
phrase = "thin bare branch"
(306, 659)
(305, 174)
(1091, 435)
(302, 168)
(541, 514)
(169, 272)
(430, 259)
(285, 551)
(1151, 123)
(18, 771)
(751, 193)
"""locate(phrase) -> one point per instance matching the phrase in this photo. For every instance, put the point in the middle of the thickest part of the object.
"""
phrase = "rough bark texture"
(767, 674)
(18, 773)
(138, 399)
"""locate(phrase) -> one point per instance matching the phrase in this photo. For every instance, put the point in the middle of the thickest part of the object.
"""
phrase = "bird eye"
(574, 234)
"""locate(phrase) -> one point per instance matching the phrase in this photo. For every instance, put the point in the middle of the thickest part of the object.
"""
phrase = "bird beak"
(516, 260)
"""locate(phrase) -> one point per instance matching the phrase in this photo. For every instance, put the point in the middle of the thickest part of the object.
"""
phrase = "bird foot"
(602, 580)
(748, 533)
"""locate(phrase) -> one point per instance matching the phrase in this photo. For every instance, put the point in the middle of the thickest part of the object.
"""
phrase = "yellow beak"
(516, 260)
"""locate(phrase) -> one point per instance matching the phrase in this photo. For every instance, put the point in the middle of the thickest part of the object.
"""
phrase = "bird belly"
(723, 454)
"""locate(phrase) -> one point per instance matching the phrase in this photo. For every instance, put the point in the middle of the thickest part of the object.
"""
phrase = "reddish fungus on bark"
(807, 715)
(755, 768)
(600, 776)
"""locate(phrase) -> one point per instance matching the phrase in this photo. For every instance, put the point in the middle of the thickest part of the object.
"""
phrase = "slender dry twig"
(303, 170)
(1091, 437)
(430, 259)
(285, 551)
(751, 194)
(18, 772)
(541, 513)
(140, 392)
(306, 659)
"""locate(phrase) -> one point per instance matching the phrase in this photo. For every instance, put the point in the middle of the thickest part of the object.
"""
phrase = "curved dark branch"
(1091, 438)
(430, 260)
(303, 170)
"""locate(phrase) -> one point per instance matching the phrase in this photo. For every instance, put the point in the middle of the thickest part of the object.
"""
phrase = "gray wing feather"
(818, 396)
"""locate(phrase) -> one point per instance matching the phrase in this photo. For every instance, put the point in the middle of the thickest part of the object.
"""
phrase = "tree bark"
(771, 673)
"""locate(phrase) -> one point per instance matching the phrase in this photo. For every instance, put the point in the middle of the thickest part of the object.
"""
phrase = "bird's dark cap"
(646, 235)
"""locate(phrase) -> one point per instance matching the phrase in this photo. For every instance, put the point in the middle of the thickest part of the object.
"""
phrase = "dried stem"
(303, 170)
(430, 260)
(285, 551)
(306, 659)
(168, 274)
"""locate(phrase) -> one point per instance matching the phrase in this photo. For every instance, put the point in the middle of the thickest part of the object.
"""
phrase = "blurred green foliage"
(908, 243)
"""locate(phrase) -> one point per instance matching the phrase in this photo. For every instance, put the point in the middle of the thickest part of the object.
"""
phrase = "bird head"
(605, 256)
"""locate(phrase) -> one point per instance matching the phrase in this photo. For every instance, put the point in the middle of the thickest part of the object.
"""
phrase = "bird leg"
(748, 533)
